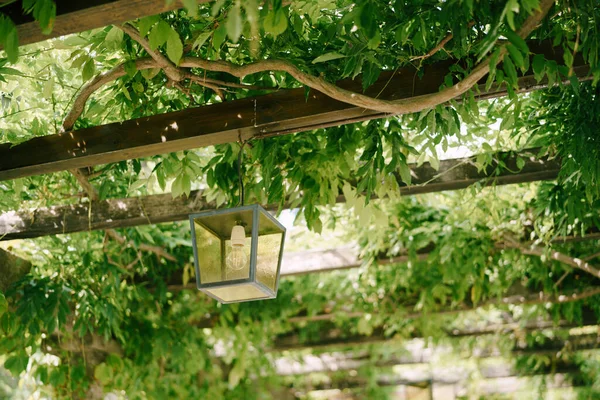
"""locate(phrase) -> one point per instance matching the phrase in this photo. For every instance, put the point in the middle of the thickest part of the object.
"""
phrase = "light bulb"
(237, 258)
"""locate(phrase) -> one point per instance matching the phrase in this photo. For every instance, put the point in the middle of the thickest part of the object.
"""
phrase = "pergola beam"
(73, 16)
(278, 113)
(503, 384)
(121, 213)
(336, 338)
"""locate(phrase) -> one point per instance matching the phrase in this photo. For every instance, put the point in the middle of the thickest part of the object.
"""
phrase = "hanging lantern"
(237, 253)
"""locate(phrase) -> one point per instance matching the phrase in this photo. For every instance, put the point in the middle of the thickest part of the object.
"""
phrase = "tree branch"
(553, 254)
(159, 251)
(96, 83)
(170, 69)
(393, 107)
(175, 74)
(591, 257)
(404, 106)
(440, 45)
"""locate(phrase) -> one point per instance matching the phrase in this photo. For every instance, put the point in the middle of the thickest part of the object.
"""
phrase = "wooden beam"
(415, 351)
(120, 213)
(12, 268)
(278, 113)
(336, 339)
(73, 16)
(502, 384)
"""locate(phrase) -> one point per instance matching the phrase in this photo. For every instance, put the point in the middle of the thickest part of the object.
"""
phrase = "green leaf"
(530, 5)
(114, 37)
(539, 67)
(236, 374)
(11, 43)
(88, 70)
(45, 13)
(512, 7)
(17, 363)
(186, 184)
(48, 88)
(510, 70)
(516, 56)
(328, 57)
(149, 74)
(160, 34)
(368, 20)
(520, 163)
(405, 173)
(517, 41)
(234, 23)
(3, 304)
(191, 6)
(144, 24)
(79, 61)
(275, 23)
(174, 47)
(57, 377)
(219, 37)
(568, 57)
(103, 373)
(218, 4)
(138, 87)
(131, 68)
(177, 187)
(375, 41)
(200, 40)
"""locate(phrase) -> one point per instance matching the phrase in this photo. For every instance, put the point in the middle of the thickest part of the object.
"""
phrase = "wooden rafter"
(333, 339)
(282, 112)
(74, 16)
(119, 213)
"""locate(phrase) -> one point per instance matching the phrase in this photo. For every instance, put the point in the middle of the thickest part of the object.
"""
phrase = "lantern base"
(239, 293)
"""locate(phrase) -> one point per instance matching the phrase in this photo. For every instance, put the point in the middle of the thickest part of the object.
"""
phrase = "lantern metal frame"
(256, 210)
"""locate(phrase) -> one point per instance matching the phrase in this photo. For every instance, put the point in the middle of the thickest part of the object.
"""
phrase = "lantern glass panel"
(270, 237)
(267, 261)
(238, 293)
(209, 254)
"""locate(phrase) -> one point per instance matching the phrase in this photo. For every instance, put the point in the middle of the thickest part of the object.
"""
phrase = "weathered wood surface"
(73, 16)
(12, 268)
(336, 339)
(498, 383)
(119, 213)
(278, 113)
(416, 352)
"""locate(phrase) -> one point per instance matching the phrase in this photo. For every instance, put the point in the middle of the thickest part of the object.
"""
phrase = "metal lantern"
(237, 253)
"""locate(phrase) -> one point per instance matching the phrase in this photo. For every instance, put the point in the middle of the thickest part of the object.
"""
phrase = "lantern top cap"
(221, 222)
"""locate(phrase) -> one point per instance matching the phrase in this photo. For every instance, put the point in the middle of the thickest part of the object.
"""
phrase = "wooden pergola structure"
(279, 113)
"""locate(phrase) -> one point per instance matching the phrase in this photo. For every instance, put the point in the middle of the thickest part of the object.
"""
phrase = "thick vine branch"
(95, 84)
(404, 106)
(175, 74)
(170, 69)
